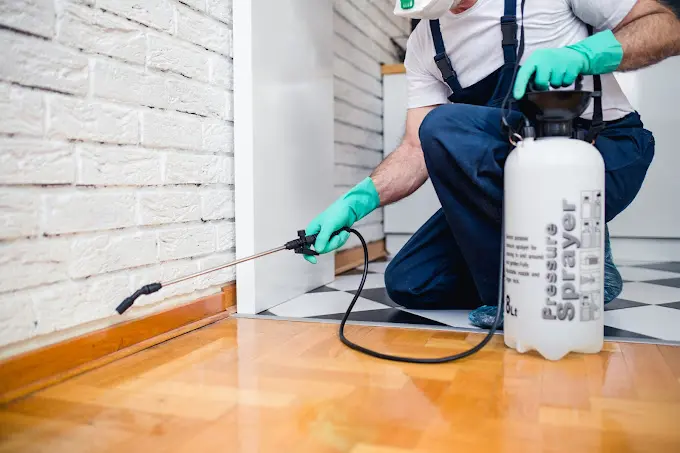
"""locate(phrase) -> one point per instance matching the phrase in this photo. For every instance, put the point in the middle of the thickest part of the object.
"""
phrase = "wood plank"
(353, 257)
(671, 355)
(397, 68)
(33, 370)
(653, 378)
(277, 386)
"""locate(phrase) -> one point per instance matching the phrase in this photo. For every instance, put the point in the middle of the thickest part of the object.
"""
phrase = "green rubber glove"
(356, 204)
(598, 54)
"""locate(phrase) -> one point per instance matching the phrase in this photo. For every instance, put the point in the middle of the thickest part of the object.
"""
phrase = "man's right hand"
(356, 204)
(401, 174)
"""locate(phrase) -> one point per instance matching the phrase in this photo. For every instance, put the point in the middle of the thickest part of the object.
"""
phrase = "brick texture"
(32, 16)
(101, 32)
(88, 210)
(222, 71)
(35, 161)
(205, 31)
(193, 97)
(217, 204)
(64, 304)
(170, 206)
(21, 110)
(91, 120)
(19, 213)
(17, 317)
(162, 129)
(110, 165)
(25, 264)
(221, 10)
(157, 14)
(186, 241)
(218, 136)
(44, 64)
(187, 168)
(169, 54)
(225, 236)
(129, 84)
(101, 253)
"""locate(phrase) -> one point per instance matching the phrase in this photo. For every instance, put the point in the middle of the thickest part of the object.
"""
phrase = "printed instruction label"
(519, 254)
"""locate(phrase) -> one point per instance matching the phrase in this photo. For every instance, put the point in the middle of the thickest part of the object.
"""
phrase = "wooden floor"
(245, 385)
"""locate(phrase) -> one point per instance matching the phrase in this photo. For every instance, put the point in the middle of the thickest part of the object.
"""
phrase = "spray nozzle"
(146, 289)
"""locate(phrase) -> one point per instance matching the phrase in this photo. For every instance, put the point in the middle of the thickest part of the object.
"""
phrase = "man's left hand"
(598, 54)
(550, 67)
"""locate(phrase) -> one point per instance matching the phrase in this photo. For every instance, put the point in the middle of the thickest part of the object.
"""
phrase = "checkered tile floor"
(647, 310)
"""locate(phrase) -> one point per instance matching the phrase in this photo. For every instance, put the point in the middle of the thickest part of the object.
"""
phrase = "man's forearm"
(649, 38)
(400, 174)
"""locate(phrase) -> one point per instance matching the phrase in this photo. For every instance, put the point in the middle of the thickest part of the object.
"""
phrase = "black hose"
(397, 358)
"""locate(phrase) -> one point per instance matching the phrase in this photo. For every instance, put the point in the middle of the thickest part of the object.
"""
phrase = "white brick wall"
(116, 152)
(363, 29)
(100, 32)
(33, 16)
(36, 161)
(21, 111)
(32, 61)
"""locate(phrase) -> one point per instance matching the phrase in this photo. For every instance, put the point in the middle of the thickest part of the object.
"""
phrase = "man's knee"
(441, 120)
(395, 284)
(443, 127)
(415, 291)
(404, 287)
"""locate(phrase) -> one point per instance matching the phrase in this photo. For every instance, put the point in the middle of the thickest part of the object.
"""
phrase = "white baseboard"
(642, 249)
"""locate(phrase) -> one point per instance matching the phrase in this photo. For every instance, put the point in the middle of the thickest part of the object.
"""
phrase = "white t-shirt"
(473, 43)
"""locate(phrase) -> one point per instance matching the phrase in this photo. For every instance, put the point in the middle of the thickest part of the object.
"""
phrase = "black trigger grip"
(304, 248)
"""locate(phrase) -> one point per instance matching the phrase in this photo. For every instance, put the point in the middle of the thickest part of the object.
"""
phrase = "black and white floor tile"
(648, 309)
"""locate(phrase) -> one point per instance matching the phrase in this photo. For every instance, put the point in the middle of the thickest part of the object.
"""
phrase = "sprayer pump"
(555, 111)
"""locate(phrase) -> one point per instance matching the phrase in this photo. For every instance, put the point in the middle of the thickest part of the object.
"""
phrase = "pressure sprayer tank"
(554, 233)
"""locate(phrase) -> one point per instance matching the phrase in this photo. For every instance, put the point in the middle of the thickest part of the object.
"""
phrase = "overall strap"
(442, 60)
(509, 31)
(598, 120)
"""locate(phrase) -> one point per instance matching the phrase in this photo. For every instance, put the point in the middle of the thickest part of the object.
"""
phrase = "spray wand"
(300, 245)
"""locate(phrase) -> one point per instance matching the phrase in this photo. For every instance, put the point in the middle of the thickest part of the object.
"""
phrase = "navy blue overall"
(452, 261)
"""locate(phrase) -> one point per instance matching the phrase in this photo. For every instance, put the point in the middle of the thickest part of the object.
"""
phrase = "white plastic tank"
(554, 247)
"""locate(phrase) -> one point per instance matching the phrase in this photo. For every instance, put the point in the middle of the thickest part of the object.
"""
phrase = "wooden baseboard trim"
(351, 258)
(34, 370)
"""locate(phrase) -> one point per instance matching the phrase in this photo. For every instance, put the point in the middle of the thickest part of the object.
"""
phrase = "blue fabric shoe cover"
(613, 283)
(483, 316)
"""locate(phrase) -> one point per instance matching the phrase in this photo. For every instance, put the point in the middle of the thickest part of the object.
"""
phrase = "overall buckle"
(509, 30)
(444, 64)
